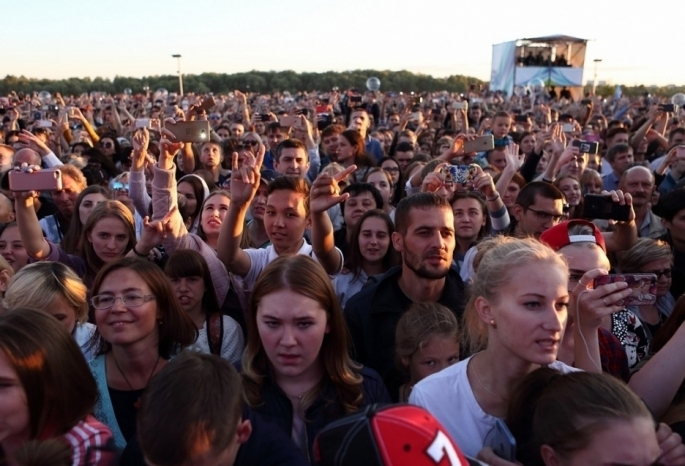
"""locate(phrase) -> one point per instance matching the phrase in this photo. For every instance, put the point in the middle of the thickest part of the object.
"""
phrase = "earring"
(160, 322)
(492, 322)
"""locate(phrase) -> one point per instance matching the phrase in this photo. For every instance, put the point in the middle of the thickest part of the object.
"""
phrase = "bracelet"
(138, 254)
(493, 199)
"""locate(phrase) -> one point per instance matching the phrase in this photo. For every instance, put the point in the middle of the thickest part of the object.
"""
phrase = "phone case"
(642, 284)
(288, 121)
(502, 441)
(480, 144)
(206, 104)
(463, 174)
(43, 180)
(190, 131)
(601, 206)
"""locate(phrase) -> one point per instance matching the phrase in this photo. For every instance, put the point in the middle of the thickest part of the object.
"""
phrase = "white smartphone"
(460, 105)
(44, 124)
(143, 123)
(568, 128)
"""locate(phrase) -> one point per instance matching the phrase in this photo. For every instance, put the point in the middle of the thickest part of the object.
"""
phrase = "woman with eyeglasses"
(651, 256)
(140, 326)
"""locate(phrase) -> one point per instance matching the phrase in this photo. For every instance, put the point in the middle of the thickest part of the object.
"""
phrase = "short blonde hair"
(38, 285)
(74, 173)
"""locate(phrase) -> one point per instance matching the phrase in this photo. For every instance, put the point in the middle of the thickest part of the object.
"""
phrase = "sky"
(78, 38)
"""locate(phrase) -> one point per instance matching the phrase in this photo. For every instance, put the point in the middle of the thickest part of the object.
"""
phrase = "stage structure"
(555, 60)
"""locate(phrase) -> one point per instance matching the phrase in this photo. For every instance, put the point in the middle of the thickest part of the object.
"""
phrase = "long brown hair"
(304, 276)
(106, 209)
(189, 263)
(176, 329)
(60, 389)
(72, 242)
(355, 260)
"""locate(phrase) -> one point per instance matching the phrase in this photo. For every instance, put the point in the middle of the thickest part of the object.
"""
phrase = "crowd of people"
(341, 278)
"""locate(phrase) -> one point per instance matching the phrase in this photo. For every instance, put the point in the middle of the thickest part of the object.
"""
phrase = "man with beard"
(424, 237)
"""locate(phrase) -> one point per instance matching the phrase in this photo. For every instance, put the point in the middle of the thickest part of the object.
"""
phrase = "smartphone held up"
(41, 180)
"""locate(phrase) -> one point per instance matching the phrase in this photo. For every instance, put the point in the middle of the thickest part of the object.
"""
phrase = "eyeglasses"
(214, 117)
(546, 217)
(250, 143)
(106, 301)
(668, 273)
(116, 186)
(391, 169)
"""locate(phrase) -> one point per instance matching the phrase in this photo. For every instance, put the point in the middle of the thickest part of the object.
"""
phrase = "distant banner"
(503, 67)
(552, 76)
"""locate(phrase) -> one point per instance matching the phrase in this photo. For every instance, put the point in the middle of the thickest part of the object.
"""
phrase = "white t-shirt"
(260, 258)
(82, 334)
(448, 396)
(232, 343)
(346, 286)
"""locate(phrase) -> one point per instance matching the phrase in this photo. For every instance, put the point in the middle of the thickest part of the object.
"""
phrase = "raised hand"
(245, 179)
(593, 304)
(514, 158)
(154, 232)
(483, 182)
(325, 192)
(33, 142)
(434, 180)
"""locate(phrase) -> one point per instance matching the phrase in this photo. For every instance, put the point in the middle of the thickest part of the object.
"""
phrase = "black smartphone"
(667, 107)
(586, 102)
(265, 117)
(521, 118)
(302, 111)
(355, 99)
(603, 207)
(586, 147)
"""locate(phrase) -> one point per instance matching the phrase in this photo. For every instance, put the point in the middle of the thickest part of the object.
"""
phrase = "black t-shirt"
(125, 404)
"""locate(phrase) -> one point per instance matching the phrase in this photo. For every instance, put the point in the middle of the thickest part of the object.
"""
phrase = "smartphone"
(321, 109)
(601, 206)
(143, 123)
(463, 174)
(586, 102)
(521, 118)
(643, 286)
(355, 99)
(668, 108)
(264, 117)
(480, 144)
(44, 124)
(460, 105)
(502, 442)
(586, 147)
(42, 180)
(568, 128)
(190, 131)
(302, 111)
(206, 104)
(680, 152)
(288, 121)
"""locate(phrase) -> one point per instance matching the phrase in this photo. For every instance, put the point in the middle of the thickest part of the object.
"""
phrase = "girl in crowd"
(511, 191)
(140, 325)
(108, 234)
(390, 166)
(384, 184)
(517, 310)
(585, 418)
(56, 289)
(351, 148)
(651, 256)
(47, 390)
(471, 222)
(297, 371)
(591, 181)
(195, 190)
(85, 203)
(527, 143)
(190, 279)
(426, 342)
(12, 247)
(570, 186)
(371, 253)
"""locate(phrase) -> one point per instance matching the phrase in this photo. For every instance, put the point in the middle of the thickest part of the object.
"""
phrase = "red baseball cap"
(557, 237)
(388, 435)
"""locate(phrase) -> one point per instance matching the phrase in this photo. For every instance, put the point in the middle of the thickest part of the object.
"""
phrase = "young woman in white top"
(518, 308)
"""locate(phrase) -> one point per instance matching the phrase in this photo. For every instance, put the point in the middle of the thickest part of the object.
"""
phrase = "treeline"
(253, 81)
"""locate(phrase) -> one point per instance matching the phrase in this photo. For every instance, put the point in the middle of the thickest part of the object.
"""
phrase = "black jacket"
(266, 446)
(678, 278)
(372, 316)
(278, 409)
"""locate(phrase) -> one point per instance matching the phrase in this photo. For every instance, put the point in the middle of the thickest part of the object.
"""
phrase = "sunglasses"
(665, 272)
(250, 143)
(116, 186)
(214, 117)
(106, 145)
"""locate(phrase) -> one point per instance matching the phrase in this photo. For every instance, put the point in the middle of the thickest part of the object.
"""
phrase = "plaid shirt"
(612, 355)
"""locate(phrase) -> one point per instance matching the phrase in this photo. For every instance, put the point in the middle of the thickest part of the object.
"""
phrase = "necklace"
(483, 386)
(124, 375)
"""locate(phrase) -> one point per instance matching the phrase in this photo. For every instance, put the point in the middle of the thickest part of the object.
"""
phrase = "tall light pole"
(594, 81)
(180, 76)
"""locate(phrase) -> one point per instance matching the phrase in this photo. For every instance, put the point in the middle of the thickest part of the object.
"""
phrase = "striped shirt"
(87, 438)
